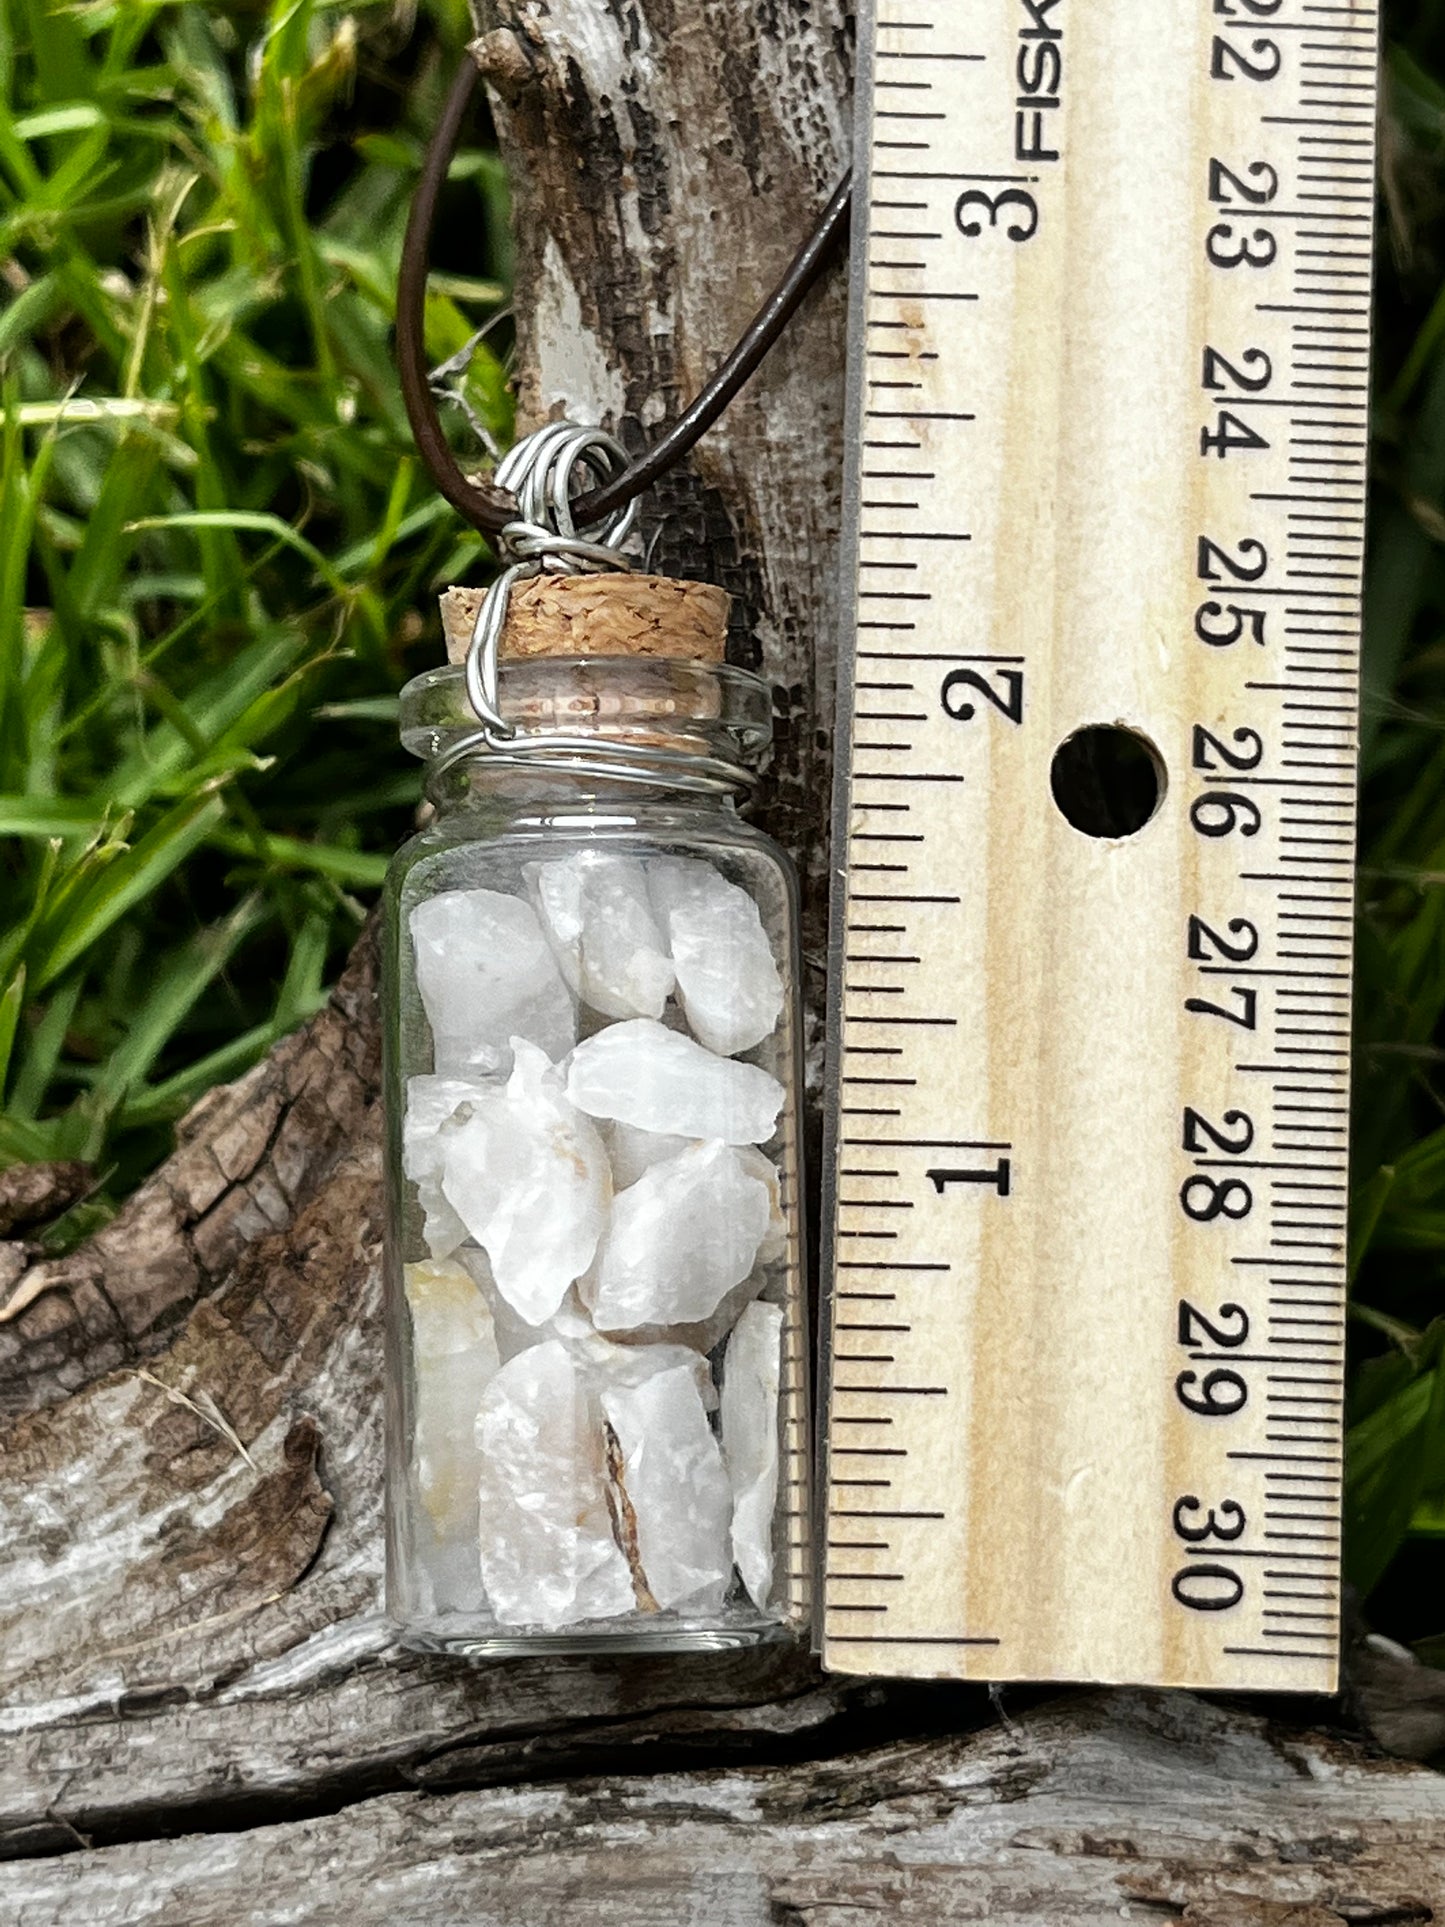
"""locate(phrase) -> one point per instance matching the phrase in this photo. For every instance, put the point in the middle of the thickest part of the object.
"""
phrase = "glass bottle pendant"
(597, 1329)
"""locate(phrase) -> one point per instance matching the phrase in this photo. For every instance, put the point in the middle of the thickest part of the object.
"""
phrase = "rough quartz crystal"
(727, 976)
(679, 1239)
(565, 1465)
(569, 1322)
(548, 1555)
(775, 1241)
(629, 1366)
(706, 1334)
(633, 1151)
(597, 914)
(528, 1176)
(431, 1104)
(751, 1374)
(486, 973)
(454, 1354)
(645, 1075)
(672, 1500)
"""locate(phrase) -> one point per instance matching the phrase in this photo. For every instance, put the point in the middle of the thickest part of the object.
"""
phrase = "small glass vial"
(597, 1383)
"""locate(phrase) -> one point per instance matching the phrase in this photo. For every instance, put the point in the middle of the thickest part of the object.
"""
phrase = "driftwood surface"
(206, 1717)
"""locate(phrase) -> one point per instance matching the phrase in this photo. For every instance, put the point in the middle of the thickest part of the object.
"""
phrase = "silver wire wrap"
(540, 471)
(640, 764)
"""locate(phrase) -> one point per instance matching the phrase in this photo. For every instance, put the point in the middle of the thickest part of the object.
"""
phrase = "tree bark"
(190, 1488)
(668, 157)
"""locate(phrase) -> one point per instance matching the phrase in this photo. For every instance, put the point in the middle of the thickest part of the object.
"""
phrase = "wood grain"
(1125, 1808)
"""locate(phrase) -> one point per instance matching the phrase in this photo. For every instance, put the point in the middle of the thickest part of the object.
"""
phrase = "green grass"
(215, 540)
(216, 548)
(1395, 1508)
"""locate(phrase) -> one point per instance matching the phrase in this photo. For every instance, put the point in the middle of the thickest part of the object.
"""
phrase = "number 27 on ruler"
(1091, 942)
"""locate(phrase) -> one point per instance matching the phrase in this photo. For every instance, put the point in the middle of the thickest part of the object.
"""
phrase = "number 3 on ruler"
(970, 225)
(1009, 701)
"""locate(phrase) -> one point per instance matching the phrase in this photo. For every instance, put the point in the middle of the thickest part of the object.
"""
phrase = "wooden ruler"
(1088, 1158)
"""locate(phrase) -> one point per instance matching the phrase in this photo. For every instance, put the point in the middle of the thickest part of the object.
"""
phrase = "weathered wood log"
(190, 1484)
(1144, 1808)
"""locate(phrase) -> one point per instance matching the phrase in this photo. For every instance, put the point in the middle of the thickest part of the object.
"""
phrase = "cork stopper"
(642, 616)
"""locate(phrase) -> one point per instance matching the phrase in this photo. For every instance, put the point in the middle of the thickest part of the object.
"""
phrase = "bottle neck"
(584, 733)
(484, 782)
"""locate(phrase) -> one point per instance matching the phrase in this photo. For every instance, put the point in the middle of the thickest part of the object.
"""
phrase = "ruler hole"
(1108, 781)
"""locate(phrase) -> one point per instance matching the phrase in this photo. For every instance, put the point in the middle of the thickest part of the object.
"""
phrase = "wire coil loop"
(540, 471)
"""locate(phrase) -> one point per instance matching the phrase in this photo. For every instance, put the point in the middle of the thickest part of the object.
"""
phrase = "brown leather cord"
(488, 508)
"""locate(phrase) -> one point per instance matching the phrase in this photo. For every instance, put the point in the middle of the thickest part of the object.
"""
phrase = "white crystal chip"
(643, 1074)
(775, 1243)
(569, 1322)
(486, 973)
(454, 1354)
(528, 1176)
(632, 1365)
(752, 1367)
(634, 1151)
(597, 914)
(548, 1555)
(672, 1492)
(727, 976)
(431, 1103)
(679, 1239)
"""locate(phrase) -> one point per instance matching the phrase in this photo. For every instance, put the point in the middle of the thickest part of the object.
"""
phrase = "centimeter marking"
(1090, 1123)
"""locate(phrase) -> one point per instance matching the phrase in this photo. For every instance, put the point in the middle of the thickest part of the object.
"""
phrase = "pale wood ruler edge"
(1085, 1241)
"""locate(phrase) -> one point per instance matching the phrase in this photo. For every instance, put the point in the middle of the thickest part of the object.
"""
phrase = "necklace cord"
(483, 504)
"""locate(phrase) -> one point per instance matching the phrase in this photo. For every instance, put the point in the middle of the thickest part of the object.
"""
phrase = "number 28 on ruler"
(1092, 941)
